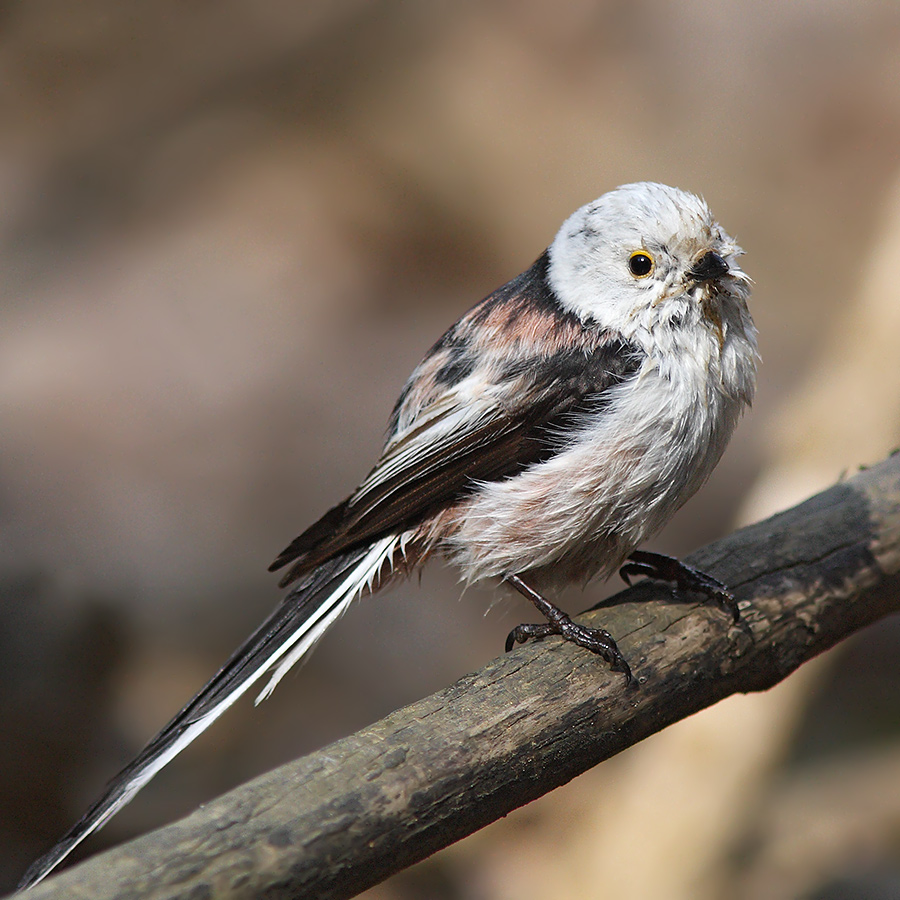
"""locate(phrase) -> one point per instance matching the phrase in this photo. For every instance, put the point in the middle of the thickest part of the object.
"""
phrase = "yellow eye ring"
(640, 264)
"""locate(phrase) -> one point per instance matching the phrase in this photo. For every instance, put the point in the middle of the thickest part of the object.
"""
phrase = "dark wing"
(461, 439)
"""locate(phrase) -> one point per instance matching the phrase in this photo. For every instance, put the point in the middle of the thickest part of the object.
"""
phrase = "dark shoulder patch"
(527, 293)
(580, 370)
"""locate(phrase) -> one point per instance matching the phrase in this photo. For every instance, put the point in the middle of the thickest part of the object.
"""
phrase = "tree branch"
(340, 820)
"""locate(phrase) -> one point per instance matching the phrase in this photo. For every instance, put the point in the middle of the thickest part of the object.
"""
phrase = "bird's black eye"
(640, 263)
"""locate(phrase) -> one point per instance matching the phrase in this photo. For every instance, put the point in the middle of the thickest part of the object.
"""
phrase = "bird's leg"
(686, 578)
(594, 639)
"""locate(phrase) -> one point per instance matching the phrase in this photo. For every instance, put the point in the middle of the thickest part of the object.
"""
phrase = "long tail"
(303, 617)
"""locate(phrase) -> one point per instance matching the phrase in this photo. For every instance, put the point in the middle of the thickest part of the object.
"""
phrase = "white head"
(646, 255)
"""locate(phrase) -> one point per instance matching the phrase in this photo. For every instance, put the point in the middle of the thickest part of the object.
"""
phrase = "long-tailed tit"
(555, 427)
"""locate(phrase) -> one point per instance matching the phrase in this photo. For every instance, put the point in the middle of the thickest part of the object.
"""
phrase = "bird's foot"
(597, 640)
(685, 577)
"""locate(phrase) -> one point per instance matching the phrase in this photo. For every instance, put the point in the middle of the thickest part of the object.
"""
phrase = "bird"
(552, 430)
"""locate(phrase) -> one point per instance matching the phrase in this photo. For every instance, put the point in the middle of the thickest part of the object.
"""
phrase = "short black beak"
(708, 267)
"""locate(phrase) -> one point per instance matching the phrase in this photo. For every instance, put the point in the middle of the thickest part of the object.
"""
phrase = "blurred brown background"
(229, 230)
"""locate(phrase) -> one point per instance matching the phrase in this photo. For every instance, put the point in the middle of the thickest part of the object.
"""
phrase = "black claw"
(685, 577)
(522, 633)
(594, 639)
(635, 569)
(598, 641)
